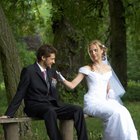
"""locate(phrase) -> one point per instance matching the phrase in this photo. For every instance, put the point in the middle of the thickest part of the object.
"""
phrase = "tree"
(118, 39)
(11, 64)
(10, 61)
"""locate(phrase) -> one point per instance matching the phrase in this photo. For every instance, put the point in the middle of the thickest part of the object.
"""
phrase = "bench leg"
(11, 131)
(66, 128)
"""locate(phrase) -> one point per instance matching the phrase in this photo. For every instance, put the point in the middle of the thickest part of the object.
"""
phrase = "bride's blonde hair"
(98, 43)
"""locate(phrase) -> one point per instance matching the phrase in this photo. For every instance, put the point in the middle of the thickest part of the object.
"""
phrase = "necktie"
(44, 74)
(46, 78)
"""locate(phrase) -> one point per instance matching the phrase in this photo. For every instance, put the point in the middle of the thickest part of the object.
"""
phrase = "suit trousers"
(50, 114)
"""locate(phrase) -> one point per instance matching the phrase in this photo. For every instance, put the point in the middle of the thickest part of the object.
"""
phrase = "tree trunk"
(118, 39)
(11, 65)
(70, 55)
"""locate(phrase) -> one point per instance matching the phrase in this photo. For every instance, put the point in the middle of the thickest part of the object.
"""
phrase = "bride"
(100, 99)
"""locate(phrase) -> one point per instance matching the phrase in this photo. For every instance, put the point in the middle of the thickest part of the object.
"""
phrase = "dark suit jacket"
(33, 87)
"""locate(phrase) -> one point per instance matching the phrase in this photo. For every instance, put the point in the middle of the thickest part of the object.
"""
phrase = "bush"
(133, 91)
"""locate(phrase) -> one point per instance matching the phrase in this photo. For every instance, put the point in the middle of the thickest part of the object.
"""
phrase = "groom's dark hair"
(45, 50)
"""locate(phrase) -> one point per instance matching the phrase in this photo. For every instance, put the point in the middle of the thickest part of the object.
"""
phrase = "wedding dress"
(118, 124)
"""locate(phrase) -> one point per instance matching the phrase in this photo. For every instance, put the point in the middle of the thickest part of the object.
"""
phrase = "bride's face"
(95, 53)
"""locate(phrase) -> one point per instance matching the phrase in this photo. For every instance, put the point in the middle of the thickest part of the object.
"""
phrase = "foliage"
(133, 62)
(132, 23)
(133, 38)
(72, 96)
(88, 18)
(27, 57)
(30, 17)
(133, 91)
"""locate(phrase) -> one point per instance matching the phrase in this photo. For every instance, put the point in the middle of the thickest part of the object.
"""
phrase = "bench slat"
(17, 120)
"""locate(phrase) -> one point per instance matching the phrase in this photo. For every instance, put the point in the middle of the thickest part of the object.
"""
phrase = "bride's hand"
(60, 77)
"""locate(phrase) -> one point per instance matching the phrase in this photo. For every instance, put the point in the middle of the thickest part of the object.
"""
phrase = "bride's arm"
(72, 84)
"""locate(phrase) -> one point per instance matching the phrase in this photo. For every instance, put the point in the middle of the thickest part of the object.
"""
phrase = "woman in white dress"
(118, 124)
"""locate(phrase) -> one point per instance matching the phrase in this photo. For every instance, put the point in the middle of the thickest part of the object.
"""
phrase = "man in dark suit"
(37, 88)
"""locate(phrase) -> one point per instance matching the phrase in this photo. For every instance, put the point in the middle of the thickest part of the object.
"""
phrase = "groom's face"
(49, 61)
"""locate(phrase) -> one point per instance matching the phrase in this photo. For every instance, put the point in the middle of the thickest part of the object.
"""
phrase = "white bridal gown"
(118, 124)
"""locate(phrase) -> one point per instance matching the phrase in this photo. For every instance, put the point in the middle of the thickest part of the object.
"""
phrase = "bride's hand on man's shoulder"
(60, 76)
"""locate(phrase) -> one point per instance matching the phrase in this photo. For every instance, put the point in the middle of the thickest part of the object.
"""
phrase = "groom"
(37, 87)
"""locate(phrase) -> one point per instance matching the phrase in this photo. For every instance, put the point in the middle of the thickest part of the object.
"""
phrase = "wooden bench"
(11, 127)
